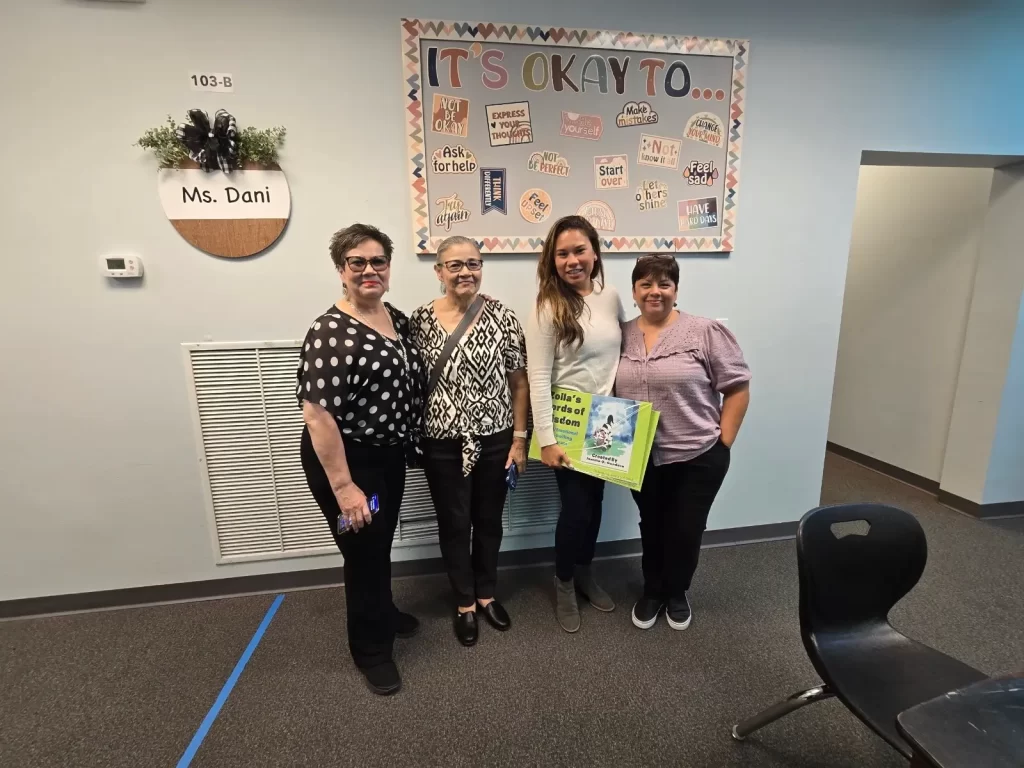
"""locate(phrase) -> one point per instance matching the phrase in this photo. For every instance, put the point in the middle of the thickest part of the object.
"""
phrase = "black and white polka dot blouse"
(369, 383)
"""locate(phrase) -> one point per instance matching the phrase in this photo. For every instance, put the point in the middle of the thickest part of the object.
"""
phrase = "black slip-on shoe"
(383, 679)
(466, 628)
(496, 615)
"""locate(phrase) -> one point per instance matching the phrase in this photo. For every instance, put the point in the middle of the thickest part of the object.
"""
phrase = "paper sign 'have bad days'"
(511, 127)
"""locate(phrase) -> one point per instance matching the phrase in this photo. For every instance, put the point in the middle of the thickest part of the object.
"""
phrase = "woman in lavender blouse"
(692, 370)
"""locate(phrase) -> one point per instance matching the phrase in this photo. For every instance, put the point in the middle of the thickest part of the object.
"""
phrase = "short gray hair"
(451, 242)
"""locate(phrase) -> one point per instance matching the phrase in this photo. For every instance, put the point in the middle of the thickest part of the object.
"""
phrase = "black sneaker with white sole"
(645, 612)
(678, 613)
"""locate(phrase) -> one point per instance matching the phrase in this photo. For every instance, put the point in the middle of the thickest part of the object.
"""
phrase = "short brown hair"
(354, 235)
(656, 267)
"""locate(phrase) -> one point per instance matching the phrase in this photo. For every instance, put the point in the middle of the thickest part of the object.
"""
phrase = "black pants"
(674, 504)
(579, 520)
(371, 612)
(466, 504)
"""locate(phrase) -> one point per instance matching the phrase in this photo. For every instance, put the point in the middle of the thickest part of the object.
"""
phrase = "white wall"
(983, 452)
(1005, 479)
(913, 254)
(99, 483)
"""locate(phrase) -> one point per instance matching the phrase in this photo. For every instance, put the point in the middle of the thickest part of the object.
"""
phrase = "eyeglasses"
(358, 263)
(473, 265)
(655, 257)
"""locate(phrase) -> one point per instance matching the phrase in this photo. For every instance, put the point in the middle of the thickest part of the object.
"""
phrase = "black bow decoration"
(212, 147)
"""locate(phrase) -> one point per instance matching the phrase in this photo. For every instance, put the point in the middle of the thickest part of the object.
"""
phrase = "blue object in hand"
(345, 525)
(512, 477)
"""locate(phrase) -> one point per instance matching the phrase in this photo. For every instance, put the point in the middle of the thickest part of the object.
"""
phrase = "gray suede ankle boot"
(566, 610)
(591, 590)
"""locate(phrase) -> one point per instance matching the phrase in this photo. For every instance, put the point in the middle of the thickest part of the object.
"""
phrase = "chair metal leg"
(740, 731)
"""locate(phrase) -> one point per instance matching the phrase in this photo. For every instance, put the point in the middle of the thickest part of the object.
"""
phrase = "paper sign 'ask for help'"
(606, 437)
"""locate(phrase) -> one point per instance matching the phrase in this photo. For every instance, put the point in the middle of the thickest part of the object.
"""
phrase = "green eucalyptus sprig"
(256, 146)
(260, 146)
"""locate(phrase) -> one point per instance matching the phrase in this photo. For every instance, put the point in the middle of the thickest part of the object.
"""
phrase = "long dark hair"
(554, 294)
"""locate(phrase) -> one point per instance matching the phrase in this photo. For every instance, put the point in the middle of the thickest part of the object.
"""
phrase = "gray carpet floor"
(129, 688)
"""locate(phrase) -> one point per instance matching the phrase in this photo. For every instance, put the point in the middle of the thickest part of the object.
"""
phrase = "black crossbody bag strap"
(455, 338)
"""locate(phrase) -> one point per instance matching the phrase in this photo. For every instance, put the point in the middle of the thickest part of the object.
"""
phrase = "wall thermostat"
(121, 266)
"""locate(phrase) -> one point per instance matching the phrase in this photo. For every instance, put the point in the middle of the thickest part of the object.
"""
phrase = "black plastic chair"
(856, 561)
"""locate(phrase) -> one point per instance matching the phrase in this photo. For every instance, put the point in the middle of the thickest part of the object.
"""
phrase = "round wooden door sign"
(226, 214)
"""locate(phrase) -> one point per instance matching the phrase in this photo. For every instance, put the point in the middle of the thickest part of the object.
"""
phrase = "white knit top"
(588, 368)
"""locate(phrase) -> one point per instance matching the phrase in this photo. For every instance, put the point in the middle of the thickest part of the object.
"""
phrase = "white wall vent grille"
(248, 428)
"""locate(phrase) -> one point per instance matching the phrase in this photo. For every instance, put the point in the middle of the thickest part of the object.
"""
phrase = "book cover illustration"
(606, 437)
(610, 430)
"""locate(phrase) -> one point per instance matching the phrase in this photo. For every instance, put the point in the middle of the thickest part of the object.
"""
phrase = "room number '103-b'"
(211, 82)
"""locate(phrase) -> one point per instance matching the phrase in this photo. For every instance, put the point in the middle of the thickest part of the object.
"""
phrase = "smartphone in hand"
(345, 525)
(512, 477)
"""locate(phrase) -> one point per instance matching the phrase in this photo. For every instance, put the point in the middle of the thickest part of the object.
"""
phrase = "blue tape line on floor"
(204, 727)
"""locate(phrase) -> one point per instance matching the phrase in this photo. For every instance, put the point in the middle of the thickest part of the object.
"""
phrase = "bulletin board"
(512, 127)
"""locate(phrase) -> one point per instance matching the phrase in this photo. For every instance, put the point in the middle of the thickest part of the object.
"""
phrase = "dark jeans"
(371, 612)
(466, 504)
(674, 504)
(579, 520)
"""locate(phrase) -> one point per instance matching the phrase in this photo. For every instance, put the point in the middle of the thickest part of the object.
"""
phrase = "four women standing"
(370, 384)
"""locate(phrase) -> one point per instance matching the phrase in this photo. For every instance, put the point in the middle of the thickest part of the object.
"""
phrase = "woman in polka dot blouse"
(360, 390)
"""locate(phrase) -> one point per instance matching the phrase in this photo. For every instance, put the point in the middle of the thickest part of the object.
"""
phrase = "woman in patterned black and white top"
(475, 429)
(359, 389)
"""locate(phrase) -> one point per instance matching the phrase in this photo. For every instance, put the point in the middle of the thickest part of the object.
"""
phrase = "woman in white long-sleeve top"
(573, 340)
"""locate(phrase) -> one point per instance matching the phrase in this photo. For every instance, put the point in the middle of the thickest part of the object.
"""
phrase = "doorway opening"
(930, 325)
